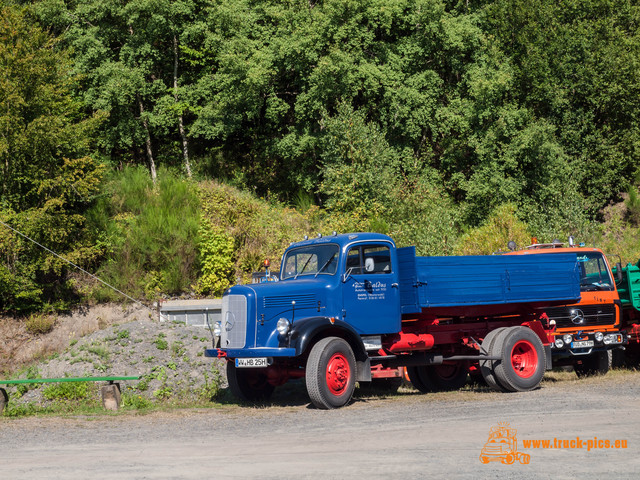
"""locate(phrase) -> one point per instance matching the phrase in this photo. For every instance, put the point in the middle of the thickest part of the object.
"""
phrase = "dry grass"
(613, 377)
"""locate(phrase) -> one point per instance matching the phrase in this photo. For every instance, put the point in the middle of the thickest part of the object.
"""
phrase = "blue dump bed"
(454, 285)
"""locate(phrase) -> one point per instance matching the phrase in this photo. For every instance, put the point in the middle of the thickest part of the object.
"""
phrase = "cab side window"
(369, 259)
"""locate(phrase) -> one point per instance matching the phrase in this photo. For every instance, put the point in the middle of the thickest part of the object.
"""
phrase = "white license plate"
(258, 362)
(582, 344)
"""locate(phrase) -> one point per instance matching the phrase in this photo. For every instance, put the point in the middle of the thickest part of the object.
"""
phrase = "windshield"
(311, 260)
(594, 273)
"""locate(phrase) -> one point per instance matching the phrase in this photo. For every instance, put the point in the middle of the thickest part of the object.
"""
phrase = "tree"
(575, 63)
(129, 58)
(48, 178)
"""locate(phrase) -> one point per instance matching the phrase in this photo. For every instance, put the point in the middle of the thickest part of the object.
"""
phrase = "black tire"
(618, 359)
(420, 379)
(598, 363)
(381, 385)
(487, 366)
(629, 357)
(523, 361)
(447, 377)
(4, 399)
(331, 373)
(249, 384)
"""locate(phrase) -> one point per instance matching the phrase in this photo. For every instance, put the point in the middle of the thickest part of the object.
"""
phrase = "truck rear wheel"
(597, 363)
(331, 373)
(523, 361)
(487, 366)
(249, 384)
(437, 378)
(448, 376)
(419, 379)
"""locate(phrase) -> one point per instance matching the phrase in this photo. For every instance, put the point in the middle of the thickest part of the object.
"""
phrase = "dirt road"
(406, 436)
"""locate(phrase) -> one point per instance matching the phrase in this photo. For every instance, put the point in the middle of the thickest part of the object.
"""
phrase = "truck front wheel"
(331, 373)
(249, 384)
(597, 363)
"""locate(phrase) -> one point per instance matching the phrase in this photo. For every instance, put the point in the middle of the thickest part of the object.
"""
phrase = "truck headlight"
(559, 343)
(612, 338)
(567, 338)
(283, 326)
(217, 329)
(599, 336)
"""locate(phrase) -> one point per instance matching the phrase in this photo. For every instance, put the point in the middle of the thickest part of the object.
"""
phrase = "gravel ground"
(168, 357)
(408, 435)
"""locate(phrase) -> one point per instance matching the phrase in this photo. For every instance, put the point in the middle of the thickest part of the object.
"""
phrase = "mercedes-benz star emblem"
(577, 316)
(229, 321)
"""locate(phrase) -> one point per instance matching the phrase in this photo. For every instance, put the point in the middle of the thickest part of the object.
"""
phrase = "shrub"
(149, 233)
(501, 227)
(39, 323)
(160, 342)
(135, 402)
(66, 391)
(215, 247)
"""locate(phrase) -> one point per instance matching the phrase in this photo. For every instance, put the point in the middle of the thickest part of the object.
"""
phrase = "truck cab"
(585, 332)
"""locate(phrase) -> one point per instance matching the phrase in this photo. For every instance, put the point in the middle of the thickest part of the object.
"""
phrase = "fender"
(305, 331)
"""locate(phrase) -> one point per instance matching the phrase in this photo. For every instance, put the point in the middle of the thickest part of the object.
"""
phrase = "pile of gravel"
(169, 358)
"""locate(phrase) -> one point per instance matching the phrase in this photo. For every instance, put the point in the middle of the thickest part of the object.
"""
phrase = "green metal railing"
(66, 379)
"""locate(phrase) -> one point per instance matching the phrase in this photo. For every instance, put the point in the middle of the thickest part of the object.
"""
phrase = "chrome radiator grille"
(234, 321)
(582, 315)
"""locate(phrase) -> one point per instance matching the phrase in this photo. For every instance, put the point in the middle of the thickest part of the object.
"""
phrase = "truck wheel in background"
(448, 376)
(249, 384)
(420, 379)
(632, 355)
(629, 357)
(331, 373)
(523, 361)
(381, 385)
(486, 366)
(597, 363)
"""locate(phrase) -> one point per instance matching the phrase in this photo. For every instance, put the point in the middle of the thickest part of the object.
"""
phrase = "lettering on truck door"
(371, 297)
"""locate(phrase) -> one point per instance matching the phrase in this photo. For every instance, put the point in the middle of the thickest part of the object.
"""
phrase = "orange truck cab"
(584, 334)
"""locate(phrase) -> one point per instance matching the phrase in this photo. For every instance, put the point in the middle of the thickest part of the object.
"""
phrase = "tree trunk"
(145, 124)
(185, 146)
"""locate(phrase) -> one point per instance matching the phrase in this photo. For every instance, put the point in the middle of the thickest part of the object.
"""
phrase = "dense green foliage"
(47, 179)
(147, 233)
(491, 102)
(449, 125)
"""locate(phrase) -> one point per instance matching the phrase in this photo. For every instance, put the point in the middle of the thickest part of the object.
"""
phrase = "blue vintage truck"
(350, 304)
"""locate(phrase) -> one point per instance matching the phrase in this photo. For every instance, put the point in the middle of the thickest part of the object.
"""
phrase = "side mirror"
(619, 271)
(347, 274)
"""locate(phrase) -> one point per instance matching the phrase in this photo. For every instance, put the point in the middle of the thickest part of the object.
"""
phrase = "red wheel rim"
(338, 373)
(524, 359)
(447, 371)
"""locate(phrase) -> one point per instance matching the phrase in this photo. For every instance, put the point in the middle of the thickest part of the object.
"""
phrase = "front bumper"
(617, 339)
(249, 353)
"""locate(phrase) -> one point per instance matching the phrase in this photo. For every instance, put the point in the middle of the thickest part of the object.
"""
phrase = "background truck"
(586, 332)
(628, 288)
(347, 303)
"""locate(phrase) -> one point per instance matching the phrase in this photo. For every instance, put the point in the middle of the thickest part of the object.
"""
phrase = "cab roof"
(343, 239)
